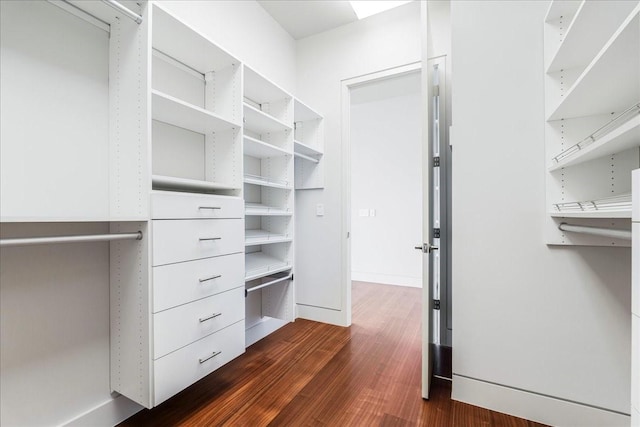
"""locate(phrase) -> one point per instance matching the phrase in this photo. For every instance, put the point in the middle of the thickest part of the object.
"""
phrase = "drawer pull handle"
(215, 353)
(204, 239)
(206, 279)
(213, 316)
(210, 207)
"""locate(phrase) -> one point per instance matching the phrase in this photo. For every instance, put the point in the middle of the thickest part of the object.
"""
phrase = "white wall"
(54, 325)
(245, 30)
(376, 43)
(386, 177)
(549, 321)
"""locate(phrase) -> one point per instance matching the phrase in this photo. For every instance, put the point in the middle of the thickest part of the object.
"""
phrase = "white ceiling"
(303, 18)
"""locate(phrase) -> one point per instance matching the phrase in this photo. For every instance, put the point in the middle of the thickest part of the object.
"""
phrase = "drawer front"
(177, 284)
(168, 205)
(180, 369)
(189, 239)
(182, 325)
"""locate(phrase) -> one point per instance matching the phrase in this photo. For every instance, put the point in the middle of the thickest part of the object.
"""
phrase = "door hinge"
(436, 90)
(436, 304)
(436, 233)
(436, 162)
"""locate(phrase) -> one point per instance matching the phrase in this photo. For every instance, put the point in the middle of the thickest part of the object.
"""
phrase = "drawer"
(177, 284)
(189, 239)
(172, 205)
(180, 369)
(182, 325)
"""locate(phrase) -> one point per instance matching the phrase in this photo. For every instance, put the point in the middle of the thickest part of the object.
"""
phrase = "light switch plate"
(319, 209)
(372, 212)
(363, 212)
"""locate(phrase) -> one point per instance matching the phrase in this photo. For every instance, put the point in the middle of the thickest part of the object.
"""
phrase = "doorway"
(396, 190)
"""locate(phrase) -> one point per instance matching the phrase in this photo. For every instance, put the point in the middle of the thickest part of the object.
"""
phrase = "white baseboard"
(386, 279)
(324, 315)
(532, 406)
(106, 414)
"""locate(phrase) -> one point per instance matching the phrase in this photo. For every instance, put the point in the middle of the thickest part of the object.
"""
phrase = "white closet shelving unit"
(269, 201)
(592, 93)
(74, 138)
(308, 147)
(183, 316)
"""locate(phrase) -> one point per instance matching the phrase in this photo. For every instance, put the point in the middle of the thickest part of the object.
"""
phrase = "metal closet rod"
(71, 239)
(596, 231)
(264, 285)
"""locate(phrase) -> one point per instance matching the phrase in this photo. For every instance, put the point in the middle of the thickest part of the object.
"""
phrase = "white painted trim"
(321, 314)
(345, 247)
(109, 413)
(386, 279)
(532, 406)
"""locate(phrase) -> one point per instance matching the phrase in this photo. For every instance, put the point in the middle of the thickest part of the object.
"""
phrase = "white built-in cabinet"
(592, 95)
(178, 314)
(269, 205)
(139, 121)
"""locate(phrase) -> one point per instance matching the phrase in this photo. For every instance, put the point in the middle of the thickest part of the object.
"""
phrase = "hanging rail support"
(70, 239)
(596, 231)
(124, 10)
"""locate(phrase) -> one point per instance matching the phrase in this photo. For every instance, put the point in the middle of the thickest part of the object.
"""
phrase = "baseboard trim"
(386, 279)
(319, 314)
(532, 406)
(109, 413)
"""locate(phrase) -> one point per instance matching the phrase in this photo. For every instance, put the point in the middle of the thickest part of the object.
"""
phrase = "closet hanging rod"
(264, 285)
(596, 231)
(70, 239)
(124, 10)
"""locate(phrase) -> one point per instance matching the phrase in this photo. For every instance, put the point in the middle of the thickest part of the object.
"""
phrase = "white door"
(425, 152)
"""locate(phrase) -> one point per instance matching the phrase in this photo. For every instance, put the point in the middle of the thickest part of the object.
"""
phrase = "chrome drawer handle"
(206, 279)
(215, 353)
(209, 207)
(213, 316)
(203, 239)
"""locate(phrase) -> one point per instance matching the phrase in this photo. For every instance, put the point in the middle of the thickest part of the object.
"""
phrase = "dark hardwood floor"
(313, 374)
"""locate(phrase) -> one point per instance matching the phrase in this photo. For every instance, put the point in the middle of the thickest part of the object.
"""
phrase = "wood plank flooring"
(313, 374)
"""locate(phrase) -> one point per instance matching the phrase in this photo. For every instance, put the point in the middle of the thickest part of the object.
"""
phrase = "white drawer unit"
(179, 369)
(185, 240)
(182, 325)
(177, 284)
(173, 205)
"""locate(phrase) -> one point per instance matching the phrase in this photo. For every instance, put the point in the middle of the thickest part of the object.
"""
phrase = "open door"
(426, 245)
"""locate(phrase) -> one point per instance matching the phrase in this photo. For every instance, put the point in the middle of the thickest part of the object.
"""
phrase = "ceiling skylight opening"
(364, 8)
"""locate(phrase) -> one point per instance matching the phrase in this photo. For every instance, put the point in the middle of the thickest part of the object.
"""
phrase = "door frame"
(345, 99)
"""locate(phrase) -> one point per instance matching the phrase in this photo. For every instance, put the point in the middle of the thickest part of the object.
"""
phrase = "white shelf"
(608, 207)
(610, 83)
(618, 140)
(262, 122)
(592, 25)
(302, 112)
(169, 182)
(307, 158)
(261, 90)
(266, 182)
(258, 264)
(307, 150)
(184, 44)
(266, 326)
(256, 209)
(255, 148)
(559, 8)
(175, 112)
(264, 237)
